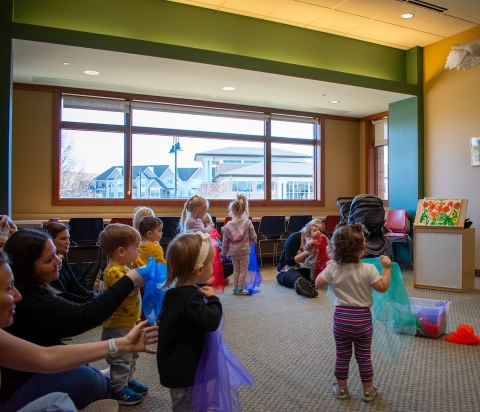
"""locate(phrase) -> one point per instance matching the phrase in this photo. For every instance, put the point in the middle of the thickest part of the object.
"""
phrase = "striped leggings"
(353, 325)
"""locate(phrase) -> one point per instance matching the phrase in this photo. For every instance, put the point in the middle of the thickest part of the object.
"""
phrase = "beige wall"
(32, 167)
(452, 116)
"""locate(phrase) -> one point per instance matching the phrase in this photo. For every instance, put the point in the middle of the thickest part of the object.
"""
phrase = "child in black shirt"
(187, 315)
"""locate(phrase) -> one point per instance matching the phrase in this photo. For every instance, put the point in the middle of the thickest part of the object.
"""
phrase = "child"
(315, 243)
(3, 239)
(120, 243)
(193, 211)
(187, 315)
(237, 235)
(150, 229)
(139, 213)
(353, 282)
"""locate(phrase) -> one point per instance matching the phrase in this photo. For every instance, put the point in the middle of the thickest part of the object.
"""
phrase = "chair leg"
(260, 250)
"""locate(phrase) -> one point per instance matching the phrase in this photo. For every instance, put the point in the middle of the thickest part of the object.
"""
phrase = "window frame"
(371, 168)
(128, 130)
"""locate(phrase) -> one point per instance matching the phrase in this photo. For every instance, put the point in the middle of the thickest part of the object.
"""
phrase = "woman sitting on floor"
(52, 367)
(43, 316)
(291, 270)
(67, 281)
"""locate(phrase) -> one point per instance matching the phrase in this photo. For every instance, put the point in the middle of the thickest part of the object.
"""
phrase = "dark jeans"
(289, 277)
(84, 385)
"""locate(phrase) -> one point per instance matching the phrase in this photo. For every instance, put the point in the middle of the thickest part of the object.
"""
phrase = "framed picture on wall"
(475, 151)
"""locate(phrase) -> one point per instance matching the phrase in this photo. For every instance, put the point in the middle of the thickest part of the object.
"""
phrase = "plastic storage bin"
(431, 317)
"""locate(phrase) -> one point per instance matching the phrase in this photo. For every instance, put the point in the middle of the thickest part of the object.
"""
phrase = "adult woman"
(84, 384)
(67, 281)
(291, 272)
(43, 316)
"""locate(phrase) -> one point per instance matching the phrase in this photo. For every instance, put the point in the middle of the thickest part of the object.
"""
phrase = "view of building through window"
(167, 166)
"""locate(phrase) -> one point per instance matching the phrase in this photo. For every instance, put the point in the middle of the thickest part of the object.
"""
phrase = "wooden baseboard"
(477, 273)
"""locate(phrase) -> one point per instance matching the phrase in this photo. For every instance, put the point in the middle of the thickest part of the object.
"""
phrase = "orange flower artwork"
(440, 212)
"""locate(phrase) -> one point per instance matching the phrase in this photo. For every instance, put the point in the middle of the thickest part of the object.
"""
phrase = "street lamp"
(175, 148)
(140, 184)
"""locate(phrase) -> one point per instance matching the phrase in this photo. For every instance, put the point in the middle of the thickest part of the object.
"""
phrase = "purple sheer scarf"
(254, 277)
(218, 377)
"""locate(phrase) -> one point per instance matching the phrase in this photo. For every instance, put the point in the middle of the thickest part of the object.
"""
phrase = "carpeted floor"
(285, 341)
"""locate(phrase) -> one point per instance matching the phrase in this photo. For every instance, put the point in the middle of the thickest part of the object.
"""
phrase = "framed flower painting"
(440, 212)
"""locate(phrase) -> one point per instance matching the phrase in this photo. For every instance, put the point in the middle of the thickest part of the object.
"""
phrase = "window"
(124, 149)
(381, 158)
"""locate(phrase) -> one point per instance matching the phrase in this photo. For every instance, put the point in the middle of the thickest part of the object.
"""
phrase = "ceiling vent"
(425, 5)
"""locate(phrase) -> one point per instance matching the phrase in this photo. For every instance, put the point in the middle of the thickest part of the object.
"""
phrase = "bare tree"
(216, 190)
(74, 182)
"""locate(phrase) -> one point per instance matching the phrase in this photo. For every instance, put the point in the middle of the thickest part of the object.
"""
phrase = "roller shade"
(173, 108)
(294, 119)
(95, 103)
(381, 132)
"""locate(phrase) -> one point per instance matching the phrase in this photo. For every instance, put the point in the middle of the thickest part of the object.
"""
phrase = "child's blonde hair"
(239, 207)
(117, 235)
(207, 219)
(139, 212)
(182, 256)
(314, 223)
(305, 231)
(189, 206)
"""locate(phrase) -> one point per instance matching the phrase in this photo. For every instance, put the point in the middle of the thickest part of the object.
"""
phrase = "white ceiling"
(41, 63)
(376, 21)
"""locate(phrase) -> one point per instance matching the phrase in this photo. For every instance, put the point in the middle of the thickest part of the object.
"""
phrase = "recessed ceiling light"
(334, 101)
(406, 16)
(65, 63)
(229, 88)
(92, 72)
(323, 94)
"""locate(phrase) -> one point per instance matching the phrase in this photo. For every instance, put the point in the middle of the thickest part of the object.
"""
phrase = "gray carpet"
(285, 341)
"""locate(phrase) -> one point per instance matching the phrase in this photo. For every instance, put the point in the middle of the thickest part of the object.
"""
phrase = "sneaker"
(369, 396)
(127, 397)
(302, 287)
(340, 393)
(138, 387)
(241, 292)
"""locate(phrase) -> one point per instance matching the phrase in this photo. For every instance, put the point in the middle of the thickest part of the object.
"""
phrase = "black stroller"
(367, 210)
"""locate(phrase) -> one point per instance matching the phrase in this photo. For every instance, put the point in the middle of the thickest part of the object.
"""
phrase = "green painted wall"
(169, 23)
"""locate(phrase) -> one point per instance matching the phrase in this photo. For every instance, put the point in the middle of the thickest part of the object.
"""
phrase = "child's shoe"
(241, 292)
(138, 387)
(370, 395)
(340, 393)
(127, 397)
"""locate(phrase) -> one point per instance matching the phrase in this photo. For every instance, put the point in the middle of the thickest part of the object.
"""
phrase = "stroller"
(367, 210)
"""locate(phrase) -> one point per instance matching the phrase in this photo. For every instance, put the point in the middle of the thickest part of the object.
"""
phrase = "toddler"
(120, 243)
(188, 314)
(315, 242)
(193, 212)
(150, 229)
(353, 282)
(237, 235)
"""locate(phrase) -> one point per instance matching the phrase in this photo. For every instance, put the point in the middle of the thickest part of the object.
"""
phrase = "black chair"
(214, 221)
(170, 229)
(271, 230)
(297, 222)
(84, 247)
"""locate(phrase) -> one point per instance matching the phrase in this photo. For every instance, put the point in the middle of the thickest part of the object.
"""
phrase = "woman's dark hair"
(347, 244)
(4, 260)
(54, 229)
(23, 248)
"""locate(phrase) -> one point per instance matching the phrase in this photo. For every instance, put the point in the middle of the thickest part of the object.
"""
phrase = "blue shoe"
(138, 387)
(127, 397)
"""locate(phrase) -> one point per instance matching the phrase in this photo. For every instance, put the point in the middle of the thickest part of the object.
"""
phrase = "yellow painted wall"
(452, 116)
(32, 167)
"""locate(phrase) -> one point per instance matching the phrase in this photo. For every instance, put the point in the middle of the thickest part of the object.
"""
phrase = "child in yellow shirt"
(120, 243)
(150, 229)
